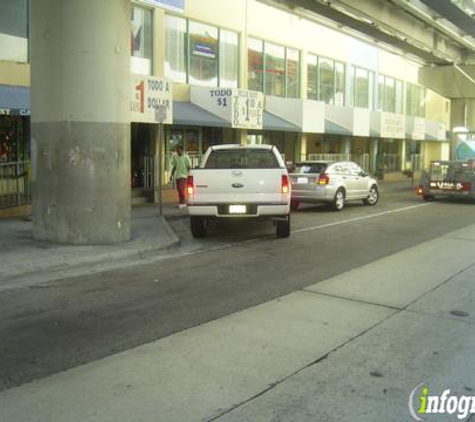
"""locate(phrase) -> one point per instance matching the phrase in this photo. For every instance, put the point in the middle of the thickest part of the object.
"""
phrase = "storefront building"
(244, 72)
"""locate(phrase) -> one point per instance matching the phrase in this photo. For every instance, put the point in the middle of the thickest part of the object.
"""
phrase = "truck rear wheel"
(199, 226)
(283, 227)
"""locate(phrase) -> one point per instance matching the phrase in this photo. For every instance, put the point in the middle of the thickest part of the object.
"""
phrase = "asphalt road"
(50, 327)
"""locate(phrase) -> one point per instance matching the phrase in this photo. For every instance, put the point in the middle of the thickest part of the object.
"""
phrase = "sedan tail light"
(285, 183)
(190, 185)
(323, 179)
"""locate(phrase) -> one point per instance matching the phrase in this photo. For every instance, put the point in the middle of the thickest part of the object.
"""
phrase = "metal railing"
(329, 157)
(15, 186)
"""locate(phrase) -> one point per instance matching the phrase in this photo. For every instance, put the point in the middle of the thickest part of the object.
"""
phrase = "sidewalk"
(351, 348)
(22, 256)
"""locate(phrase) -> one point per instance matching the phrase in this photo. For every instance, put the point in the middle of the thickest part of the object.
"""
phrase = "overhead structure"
(431, 32)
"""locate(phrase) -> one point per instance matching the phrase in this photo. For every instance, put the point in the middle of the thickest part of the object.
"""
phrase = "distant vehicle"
(453, 179)
(332, 182)
(236, 181)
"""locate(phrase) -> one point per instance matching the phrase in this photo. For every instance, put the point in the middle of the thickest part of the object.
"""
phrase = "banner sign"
(465, 145)
(149, 92)
(392, 126)
(14, 112)
(242, 108)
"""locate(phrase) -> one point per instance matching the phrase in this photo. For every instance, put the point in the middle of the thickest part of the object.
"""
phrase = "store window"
(14, 30)
(399, 97)
(203, 54)
(14, 145)
(415, 100)
(212, 136)
(255, 65)
(312, 77)
(390, 94)
(175, 48)
(200, 54)
(361, 82)
(274, 70)
(293, 73)
(228, 59)
(141, 39)
(326, 80)
(339, 84)
(381, 92)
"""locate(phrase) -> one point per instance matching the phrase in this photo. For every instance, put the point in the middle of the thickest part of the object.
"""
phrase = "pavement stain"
(376, 374)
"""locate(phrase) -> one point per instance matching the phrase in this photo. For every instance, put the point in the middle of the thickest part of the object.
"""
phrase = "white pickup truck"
(235, 181)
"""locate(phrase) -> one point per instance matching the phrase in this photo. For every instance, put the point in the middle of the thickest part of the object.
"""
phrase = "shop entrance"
(14, 161)
(142, 155)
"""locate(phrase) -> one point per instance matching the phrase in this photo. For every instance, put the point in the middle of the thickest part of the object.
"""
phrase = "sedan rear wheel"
(339, 200)
(373, 196)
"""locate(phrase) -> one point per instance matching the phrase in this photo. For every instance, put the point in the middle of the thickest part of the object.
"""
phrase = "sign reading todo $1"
(148, 93)
(243, 109)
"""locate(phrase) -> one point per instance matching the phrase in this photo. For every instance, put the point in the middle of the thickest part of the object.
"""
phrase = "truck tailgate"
(236, 186)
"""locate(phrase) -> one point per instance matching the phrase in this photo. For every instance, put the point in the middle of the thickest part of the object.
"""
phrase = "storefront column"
(373, 154)
(80, 63)
(346, 146)
(402, 151)
(301, 148)
(241, 136)
(156, 182)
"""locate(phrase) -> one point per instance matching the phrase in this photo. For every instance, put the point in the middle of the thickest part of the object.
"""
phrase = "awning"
(14, 100)
(272, 122)
(333, 128)
(190, 114)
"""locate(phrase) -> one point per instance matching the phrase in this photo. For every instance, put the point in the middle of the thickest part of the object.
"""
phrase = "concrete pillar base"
(83, 194)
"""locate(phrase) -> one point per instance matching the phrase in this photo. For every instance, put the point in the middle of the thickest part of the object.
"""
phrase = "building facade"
(245, 72)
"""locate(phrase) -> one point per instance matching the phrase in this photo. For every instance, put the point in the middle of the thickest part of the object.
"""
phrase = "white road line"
(365, 217)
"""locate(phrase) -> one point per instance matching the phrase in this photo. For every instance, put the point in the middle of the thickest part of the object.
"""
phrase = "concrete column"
(80, 64)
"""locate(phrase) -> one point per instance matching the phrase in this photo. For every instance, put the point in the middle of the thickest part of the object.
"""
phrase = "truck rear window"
(242, 159)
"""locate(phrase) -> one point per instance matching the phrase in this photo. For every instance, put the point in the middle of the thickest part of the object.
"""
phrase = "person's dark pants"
(180, 187)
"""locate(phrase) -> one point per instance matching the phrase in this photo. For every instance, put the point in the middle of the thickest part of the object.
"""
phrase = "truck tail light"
(189, 185)
(323, 179)
(285, 183)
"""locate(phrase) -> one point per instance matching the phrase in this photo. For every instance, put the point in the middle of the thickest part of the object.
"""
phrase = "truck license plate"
(237, 209)
(302, 180)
